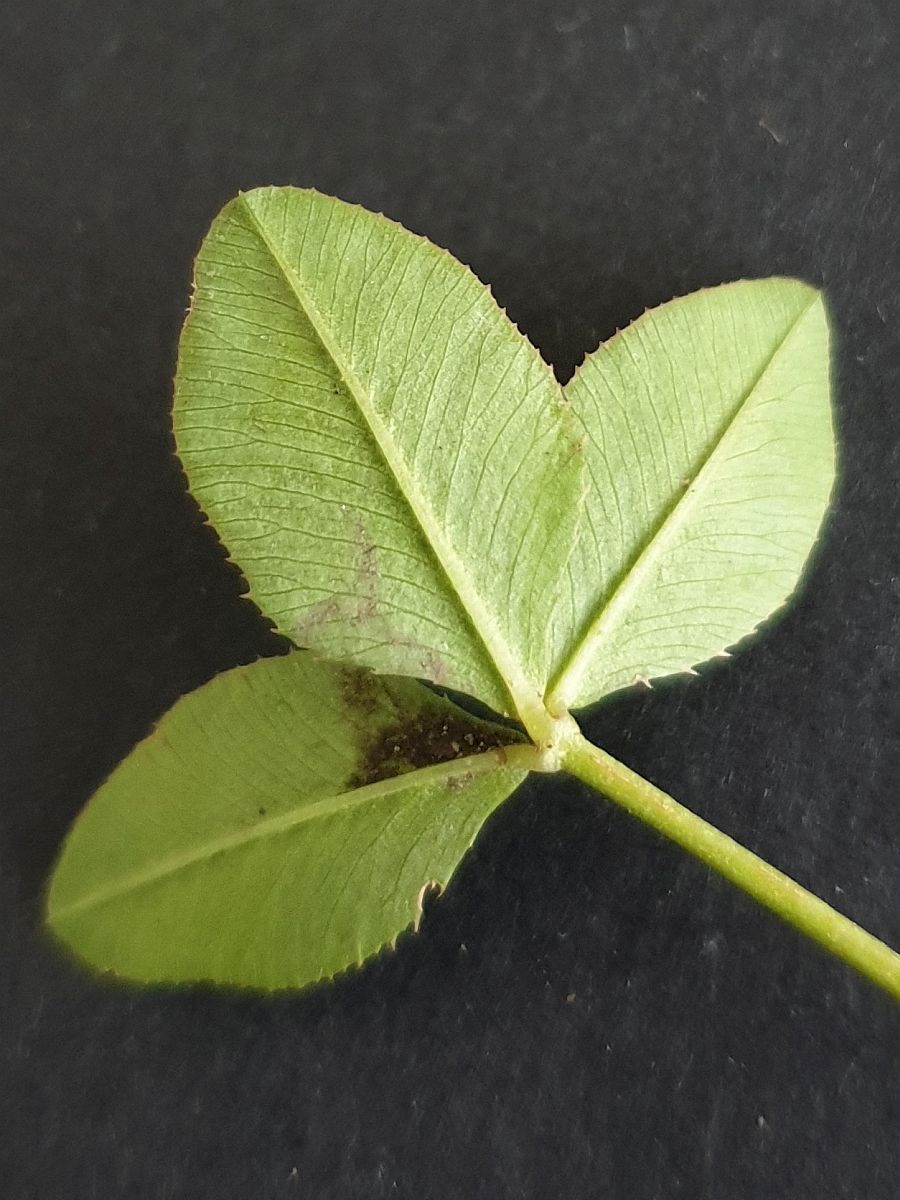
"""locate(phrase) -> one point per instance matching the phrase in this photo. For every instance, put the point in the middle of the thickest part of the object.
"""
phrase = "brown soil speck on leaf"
(425, 739)
(363, 692)
(456, 783)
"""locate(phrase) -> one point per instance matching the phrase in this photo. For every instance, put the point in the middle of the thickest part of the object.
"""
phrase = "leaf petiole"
(734, 862)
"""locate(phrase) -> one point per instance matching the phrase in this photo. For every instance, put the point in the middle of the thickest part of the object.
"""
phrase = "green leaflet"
(389, 462)
(711, 457)
(278, 826)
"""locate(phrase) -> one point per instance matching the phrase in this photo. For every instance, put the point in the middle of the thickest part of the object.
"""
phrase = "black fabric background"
(587, 1013)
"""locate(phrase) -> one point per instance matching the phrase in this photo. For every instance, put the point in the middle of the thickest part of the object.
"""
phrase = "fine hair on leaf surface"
(411, 495)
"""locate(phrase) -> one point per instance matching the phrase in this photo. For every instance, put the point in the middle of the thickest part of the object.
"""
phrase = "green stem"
(763, 882)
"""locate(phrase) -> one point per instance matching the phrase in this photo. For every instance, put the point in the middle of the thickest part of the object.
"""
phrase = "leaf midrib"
(511, 676)
(521, 757)
(614, 606)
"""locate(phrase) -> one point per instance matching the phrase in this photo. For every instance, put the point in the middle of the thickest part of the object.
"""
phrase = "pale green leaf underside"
(249, 841)
(388, 461)
(710, 456)
(397, 475)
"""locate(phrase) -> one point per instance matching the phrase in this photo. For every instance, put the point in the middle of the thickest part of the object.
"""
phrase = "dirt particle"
(775, 134)
(362, 692)
(425, 739)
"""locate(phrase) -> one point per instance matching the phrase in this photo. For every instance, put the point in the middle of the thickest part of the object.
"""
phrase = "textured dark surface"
(587, 1013)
